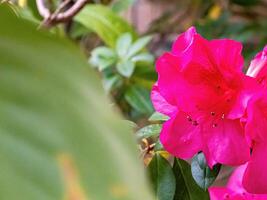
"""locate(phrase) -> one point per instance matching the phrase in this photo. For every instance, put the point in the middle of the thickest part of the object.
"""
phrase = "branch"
(43, 10)
(58, 16)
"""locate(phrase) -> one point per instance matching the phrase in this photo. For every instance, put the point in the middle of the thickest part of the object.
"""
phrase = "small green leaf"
(143, 57)
(103, 57)
(149, 131)
(103, 21)
(125, 68)
(139, 99)
(120, 5)
(156, 116)
(138, 45)
(123, 44)
(162, 178)
(158, 146)
(202, 174)
(111, 82)
(186, 187)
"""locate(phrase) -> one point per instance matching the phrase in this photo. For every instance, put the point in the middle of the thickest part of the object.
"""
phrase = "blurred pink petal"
(234, 189)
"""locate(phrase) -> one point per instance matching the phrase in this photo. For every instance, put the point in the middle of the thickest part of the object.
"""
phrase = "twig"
(58, 16)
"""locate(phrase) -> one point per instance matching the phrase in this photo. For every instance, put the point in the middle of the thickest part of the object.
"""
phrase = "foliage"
(50, 99)
(56, 115)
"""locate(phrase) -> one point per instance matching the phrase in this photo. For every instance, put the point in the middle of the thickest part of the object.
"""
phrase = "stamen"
(189, 118)
(195, 123)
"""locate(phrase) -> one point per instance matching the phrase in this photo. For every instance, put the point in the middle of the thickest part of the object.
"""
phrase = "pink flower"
(204, 93)
(234, 189)
(258, 67)
(255, 177)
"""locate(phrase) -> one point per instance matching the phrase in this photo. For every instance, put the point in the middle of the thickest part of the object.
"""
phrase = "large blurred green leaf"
(59, 138)
(107, 24)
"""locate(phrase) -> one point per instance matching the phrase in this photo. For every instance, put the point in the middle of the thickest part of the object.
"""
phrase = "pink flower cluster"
(215, 108)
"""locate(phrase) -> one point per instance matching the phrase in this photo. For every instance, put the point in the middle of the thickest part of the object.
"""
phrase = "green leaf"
(125, 68)
(103, 57)
(162, 178)
(202, 174)
(149, 131)
(186, 188)
(112, 82)
(143, 57)
(58, 131)
(158, 146)
(139, 99)
(103, 21)
(120, 5)
(156, 116)
(138, 45)
(123, 44)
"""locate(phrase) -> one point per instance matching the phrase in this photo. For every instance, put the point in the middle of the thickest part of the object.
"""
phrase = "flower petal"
(179, 137)
(227, 143)
(256, 175)
(258, 66)
(228, 56)
(183, 41)
(160, 104)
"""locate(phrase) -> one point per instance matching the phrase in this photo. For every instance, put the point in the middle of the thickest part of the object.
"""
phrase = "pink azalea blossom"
(255, 178)
(204, 92)
(234, 189)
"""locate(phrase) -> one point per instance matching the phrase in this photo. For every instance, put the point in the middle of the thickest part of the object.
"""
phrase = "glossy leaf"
(103, 21)
(162, 177)
(202, 174)
(53, 144)
(139, 99)
(186, 188)
(149, 131)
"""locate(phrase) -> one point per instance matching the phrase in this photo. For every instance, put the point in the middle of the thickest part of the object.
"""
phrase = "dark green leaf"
(186, 187)
(107, 24)
(162, 177)
(139, 99)
(149, 131)
(202, 174)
